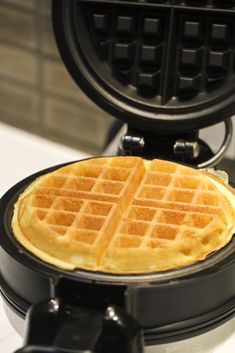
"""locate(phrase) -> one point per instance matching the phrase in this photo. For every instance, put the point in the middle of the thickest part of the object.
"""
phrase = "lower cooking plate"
(169, 306)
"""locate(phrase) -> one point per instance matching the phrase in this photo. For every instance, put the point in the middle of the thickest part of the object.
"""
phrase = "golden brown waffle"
(124, 215)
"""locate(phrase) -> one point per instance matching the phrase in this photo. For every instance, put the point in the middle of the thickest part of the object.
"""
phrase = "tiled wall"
(36, 91)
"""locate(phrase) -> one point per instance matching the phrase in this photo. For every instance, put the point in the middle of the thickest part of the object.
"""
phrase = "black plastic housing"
(169, 306)
(55, 327)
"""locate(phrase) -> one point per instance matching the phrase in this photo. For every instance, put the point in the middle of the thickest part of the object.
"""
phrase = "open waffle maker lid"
(166, 65)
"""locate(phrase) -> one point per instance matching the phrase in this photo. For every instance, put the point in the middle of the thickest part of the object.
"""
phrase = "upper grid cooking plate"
(152, 63)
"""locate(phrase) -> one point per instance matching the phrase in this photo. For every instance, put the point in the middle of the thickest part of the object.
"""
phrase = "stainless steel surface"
(219, 340)
(10, 340)
(225, 145)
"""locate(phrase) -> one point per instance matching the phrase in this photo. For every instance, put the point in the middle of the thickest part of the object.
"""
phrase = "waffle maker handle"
(54, 327)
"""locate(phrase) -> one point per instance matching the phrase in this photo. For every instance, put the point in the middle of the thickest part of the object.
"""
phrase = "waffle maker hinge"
(186, 147)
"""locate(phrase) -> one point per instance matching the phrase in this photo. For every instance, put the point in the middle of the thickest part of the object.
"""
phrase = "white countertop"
(22, 154)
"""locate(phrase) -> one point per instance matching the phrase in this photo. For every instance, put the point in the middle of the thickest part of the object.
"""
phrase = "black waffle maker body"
(167, 69)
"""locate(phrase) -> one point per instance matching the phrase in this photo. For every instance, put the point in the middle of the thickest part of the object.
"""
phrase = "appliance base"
(208, 342)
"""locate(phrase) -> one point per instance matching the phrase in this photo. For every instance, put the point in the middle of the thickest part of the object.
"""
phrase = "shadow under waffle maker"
(167, 69)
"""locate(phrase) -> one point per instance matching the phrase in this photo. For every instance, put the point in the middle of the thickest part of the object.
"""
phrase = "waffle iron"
(167, 69)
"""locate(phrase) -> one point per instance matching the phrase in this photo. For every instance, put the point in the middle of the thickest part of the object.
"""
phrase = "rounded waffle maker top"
(153, 64)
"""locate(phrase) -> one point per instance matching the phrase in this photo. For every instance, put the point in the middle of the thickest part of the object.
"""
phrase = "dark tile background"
(36, 91)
